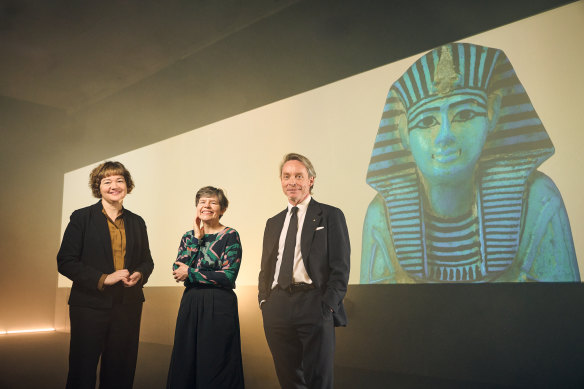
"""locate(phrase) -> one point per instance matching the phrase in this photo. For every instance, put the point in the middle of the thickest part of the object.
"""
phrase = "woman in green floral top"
(207, 347)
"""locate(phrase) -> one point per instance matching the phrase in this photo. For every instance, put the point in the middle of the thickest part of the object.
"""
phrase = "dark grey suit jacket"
(325, 251)
(86, 254)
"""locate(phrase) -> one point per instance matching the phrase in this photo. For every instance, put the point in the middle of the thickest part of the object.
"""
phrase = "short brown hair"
(106, 169)
(303, 160)
(211, 191)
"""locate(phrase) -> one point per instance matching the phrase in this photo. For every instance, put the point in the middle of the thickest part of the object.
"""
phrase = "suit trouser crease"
(300, 332)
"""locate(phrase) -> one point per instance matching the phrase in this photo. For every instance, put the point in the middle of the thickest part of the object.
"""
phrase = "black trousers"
(111, 333)
(207, 347)
(300, 332)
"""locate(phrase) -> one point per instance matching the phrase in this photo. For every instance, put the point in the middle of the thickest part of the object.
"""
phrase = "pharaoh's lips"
(447, 155)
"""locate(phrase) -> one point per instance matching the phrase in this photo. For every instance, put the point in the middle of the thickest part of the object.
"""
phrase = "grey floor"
(40, 361)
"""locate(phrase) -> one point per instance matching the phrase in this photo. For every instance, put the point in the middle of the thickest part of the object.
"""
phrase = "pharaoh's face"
(447, 135)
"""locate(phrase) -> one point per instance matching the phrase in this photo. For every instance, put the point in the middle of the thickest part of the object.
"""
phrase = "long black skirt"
(207, 346)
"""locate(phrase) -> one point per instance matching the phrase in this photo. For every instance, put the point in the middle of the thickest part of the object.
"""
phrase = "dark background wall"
(223, 58)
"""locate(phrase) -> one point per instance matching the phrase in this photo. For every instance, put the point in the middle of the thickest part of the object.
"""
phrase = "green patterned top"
(213, 260)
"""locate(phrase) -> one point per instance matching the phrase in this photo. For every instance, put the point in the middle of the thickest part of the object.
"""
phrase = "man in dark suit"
(303, 279)
(105, 252)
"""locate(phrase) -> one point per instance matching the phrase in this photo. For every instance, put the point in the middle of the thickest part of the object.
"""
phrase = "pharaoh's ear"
(402, 126)
(494, 109)
(401, 121)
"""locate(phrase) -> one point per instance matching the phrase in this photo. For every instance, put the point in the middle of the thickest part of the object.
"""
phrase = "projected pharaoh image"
(458, 183)
(455, 166)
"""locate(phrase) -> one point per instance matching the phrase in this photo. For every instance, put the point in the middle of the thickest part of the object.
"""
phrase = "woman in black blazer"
(105, 253)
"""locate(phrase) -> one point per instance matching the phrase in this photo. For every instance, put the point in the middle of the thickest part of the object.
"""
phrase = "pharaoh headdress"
(516, 147)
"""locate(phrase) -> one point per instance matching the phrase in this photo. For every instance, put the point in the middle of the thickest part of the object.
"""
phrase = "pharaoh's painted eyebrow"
(470, 100)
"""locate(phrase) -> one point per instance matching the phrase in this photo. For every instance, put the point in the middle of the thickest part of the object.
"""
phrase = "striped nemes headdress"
(513, 150)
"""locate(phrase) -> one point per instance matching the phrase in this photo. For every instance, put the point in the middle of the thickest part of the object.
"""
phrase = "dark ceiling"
(69, 54)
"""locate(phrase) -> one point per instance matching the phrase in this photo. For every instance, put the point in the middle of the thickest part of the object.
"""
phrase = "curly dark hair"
(106, 169)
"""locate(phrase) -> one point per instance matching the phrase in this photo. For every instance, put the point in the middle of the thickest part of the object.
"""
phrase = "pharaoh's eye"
(426, 122)
(466, 115)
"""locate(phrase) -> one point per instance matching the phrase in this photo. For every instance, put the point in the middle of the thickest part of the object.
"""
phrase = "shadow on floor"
(40, 361)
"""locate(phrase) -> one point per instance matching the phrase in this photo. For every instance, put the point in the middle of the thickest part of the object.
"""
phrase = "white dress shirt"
(299, 273)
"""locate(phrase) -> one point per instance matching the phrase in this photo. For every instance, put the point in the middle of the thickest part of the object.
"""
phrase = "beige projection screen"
(337, 126)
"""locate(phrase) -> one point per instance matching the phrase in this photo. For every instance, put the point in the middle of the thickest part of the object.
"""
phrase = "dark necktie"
(285, 276)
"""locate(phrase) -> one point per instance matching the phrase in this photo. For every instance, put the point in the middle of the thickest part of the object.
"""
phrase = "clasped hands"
(123, 275)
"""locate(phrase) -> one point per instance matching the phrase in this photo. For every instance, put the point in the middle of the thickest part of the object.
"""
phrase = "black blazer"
(86, 254)
(326, 253)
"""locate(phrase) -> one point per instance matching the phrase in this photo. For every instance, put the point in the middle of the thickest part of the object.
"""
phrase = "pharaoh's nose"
(445, 136)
